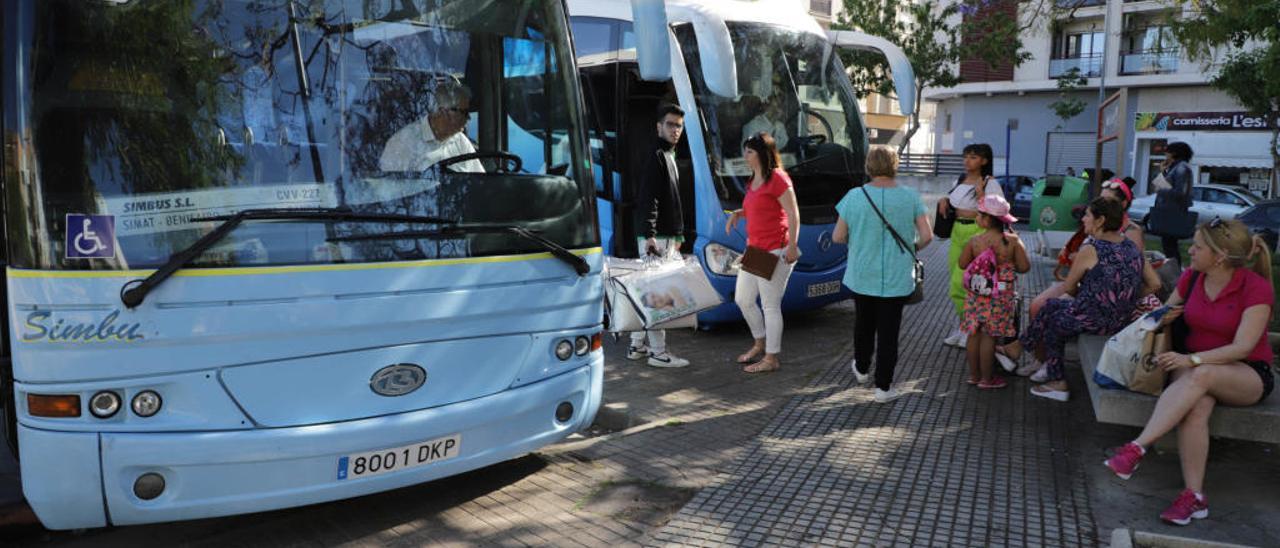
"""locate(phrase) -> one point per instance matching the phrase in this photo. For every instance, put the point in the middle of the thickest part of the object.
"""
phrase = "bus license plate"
(824, 288)
(373, 463)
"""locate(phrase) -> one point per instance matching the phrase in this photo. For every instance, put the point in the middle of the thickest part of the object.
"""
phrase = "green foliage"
(1068, 106)
(928, 31)
(1246, 36)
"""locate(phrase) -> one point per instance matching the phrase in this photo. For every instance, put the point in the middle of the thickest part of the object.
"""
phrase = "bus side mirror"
(904, 77)
(653, 45)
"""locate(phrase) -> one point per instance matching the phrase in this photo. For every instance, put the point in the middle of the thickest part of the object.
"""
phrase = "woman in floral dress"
(1106, 281)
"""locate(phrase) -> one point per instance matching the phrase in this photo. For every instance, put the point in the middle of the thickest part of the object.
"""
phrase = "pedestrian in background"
(992, 261)
(660, 223)
(878, 271)
(962, 202)
(773, 225)
(1175, 178)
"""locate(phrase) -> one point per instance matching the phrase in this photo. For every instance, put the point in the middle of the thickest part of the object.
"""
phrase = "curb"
(1125, 538)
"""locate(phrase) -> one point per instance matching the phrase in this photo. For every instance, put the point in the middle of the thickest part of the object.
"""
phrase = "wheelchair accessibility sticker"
(91, 236)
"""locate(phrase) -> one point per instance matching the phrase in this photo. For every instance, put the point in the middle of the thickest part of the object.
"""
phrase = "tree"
(929, 31)
(1068, 106)
(1245, 35)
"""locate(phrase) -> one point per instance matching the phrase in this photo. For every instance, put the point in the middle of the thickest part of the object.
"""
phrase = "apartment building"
(1168, 99)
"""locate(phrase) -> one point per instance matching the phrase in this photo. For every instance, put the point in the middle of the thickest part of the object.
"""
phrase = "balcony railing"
(1071, 4)
(1149, 62)
(1089, 66)
(820, 7)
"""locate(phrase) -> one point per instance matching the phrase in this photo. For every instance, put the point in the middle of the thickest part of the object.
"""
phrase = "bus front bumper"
(78, 480)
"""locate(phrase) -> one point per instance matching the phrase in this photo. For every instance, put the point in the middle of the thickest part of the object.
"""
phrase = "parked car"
(1209, 201)
(1017, 190)
(1263, 218)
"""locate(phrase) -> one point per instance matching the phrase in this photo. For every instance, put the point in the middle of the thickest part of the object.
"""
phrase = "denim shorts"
(1268, 378)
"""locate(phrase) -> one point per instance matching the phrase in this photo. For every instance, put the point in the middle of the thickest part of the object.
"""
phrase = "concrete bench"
(1257, 423)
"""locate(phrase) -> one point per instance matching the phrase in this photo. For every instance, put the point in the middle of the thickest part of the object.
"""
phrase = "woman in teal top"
(879, 271)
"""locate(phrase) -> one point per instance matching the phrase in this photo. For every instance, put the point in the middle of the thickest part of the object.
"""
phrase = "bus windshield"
(792, 85)
(142, 117)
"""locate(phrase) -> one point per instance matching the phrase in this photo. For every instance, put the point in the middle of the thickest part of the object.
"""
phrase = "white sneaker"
(1041, 375)
(637, 352)
(1029, 367)
(1006, 362)
(859, 378)
(666, 360)
(886, 396)
(954, 338)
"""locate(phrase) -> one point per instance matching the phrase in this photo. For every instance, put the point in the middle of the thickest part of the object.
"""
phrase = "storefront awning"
(1222, 149)
(1232, 161)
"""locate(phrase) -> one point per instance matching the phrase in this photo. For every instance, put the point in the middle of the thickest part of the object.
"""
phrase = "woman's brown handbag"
(759, 262)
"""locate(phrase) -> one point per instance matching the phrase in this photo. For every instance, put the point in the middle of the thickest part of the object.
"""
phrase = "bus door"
(639, 116)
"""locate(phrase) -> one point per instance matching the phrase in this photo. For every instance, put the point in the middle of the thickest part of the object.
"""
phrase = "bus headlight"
(721, 260)
(581, 345)
(104, 404)
(146, 403)
(564, 349)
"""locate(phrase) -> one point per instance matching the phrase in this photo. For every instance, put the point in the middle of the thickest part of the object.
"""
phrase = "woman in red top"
(1228, 359)
(773, 225)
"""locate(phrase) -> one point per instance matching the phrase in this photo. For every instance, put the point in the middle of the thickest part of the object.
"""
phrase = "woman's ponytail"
(1260, 254)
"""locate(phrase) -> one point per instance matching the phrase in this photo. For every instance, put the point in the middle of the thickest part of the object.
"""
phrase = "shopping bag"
(666, 293)
(1148, 377)
(1123, 352)
(673, 289)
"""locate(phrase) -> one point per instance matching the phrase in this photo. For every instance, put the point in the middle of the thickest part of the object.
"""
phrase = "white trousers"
(766, 325)
(657, 338)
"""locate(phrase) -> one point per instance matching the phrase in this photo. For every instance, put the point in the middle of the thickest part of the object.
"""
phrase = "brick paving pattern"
(945, 465)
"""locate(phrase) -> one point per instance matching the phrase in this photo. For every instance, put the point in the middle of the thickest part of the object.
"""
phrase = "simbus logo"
(40, 330)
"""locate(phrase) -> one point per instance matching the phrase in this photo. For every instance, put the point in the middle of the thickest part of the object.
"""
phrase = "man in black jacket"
(661, 222)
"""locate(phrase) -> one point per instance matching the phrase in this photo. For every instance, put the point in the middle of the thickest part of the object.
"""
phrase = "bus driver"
(435, 137)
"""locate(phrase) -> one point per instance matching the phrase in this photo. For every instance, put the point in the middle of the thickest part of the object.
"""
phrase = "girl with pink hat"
(991, 261)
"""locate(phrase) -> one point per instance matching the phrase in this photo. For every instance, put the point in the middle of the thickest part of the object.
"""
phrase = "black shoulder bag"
(942, 225)
(917, 272)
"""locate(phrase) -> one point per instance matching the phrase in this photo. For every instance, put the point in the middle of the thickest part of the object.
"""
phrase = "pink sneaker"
(1189, 505)
(1125, 460)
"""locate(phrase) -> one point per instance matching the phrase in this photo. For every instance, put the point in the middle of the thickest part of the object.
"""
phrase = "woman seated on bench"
(1105, 280)
(1118, 190)
(1227, 359)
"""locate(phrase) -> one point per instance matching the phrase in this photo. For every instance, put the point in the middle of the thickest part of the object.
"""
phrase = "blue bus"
(735, 67)
(269, 253)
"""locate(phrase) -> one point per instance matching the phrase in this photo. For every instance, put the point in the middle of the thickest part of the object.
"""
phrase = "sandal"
(763, 366)
(751, 356)
(1050, 392)
(994, 384)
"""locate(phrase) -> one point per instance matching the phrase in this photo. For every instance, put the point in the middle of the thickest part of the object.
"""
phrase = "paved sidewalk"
(945, 465)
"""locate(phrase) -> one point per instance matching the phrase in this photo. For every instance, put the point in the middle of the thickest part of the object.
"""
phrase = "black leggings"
(878, 321)
(1171, 249)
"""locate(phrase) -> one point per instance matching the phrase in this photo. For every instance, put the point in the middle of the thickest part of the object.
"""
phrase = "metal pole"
(1008, 134)
(1095, 179)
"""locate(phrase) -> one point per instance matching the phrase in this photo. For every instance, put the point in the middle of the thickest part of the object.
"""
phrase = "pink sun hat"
(996, 206)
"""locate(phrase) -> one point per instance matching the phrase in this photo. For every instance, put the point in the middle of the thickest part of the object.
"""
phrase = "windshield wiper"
(579, 264)
(133, 293)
